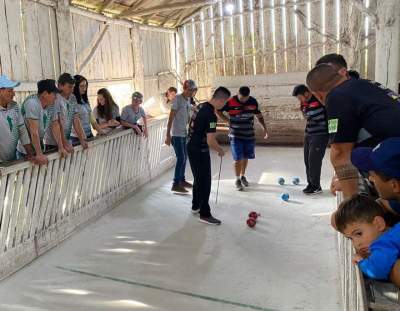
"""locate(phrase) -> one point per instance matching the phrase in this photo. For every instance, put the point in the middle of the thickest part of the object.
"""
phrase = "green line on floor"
(208, 298)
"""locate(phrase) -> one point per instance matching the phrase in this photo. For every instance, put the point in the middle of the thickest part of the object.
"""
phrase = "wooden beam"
(105, 5)
(369, 12)
(88, 53)
(135, 12)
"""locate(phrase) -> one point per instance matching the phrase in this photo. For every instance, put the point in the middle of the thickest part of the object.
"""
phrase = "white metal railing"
(352, 281)
(42, 205)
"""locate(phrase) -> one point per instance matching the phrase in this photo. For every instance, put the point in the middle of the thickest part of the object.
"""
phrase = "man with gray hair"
(178, 121)
(131, 114)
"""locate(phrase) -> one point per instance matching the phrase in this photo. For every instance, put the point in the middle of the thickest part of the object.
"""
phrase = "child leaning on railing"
(375, 237)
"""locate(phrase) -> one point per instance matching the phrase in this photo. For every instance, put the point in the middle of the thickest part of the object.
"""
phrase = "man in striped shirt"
(316, 137)
(241, 110)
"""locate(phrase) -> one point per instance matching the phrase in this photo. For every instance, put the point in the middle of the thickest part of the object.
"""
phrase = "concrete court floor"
(150, 253)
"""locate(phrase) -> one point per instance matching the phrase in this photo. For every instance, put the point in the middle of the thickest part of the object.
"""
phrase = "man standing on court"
(241, 110)
(202, 136)
(178, 121)
(316, 137)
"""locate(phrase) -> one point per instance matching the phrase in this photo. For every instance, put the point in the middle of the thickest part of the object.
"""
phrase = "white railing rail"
(42, 205)
(352, 281)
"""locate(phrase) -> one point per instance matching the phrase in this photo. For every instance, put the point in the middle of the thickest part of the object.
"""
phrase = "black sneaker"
(210, 220)
(238, 185)
(307, 188)
(244, 181)
(195, 210)
(313, 191)
(179, 189)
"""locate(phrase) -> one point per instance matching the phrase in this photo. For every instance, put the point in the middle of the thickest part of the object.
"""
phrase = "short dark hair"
(359, 208)
(300, 89)
(322, 78)
(244, 91)
(221, 93)
(335, 59)
(354, 74)
(66, 78)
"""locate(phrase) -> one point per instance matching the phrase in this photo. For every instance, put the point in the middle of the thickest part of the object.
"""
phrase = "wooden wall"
(273, 36)
(281, 111)
(41, 40)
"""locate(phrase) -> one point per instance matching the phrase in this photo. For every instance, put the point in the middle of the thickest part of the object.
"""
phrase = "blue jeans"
(179, 144)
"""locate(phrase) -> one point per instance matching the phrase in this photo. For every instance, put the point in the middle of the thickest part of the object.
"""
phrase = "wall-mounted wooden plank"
(18, 61)
(64, 26)
(5, 53)
(48, 45)
(33, 41)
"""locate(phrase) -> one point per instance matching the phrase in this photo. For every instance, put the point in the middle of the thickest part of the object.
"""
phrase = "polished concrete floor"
(150, 253)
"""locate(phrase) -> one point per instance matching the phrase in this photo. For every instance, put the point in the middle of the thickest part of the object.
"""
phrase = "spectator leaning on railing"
(107, 111)
(374, 236)
(39, 115)
(12, 125)
(65, 107)
(132, 113)
(84, 111)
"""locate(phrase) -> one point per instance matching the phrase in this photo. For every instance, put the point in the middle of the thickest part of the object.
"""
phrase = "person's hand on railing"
(145, 133)
(68, 148)
(63, 152)
(168, 140)
(100, 132)
(40, 159)
(221, 152)
(84, 144)
(113, 123)
(356, 259)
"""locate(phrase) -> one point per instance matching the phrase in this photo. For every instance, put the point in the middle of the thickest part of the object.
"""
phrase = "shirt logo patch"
(10, 123)
(333, 126)
(213, 125)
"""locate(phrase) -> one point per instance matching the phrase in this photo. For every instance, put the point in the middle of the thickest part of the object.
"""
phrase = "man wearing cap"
(66, 108)
(360, 113)
(12, 125)
(38, 115)
(383, 165)
(131, 114)
(177, 133)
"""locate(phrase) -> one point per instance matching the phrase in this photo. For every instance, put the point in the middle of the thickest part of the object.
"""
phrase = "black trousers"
(314, 152)
(200, 163)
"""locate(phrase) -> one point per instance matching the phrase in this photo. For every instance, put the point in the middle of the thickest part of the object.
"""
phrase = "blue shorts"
(242, 149)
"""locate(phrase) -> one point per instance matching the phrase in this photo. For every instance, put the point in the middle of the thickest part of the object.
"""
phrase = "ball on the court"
(285, 197)
(254, 215)
(251, 222)
(296, 181)
(281, 181)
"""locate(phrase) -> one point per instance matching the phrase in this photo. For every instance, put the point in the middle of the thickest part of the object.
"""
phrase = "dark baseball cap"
(384, 158)
(66, 78)
(47, 85)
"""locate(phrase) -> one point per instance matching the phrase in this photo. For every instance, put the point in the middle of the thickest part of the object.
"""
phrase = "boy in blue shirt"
(364, 221)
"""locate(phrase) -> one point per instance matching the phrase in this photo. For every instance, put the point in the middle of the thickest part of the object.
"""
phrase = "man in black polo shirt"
(241, 110)
(360, 113)
(315, 138)
(202, 136)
